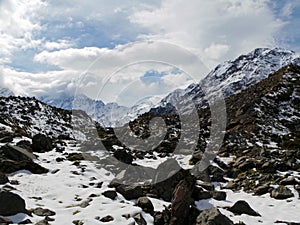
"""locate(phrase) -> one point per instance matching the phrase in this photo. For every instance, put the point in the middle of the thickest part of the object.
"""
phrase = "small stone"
(219, 195)
(139, 219)
(43, 212)
(77, 222)
(107, 219)
(110, 194)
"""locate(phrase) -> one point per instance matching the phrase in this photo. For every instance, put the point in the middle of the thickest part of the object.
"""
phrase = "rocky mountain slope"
(232, 77)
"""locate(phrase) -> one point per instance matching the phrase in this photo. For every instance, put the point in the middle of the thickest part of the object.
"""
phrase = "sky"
(126, 50)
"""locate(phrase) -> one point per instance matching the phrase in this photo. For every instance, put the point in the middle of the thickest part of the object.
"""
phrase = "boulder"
(3, 179)
(139, 219)
(123, 156)
(43, 212)
(219, 195)
(145, 204)
(182, 201)
(11, 204)
(41, 143)
(110, 194)
(16, 153)
(130, 192)
(242, 207)
(167, 176)
(212, 217)
(10, 166)
(281, 193)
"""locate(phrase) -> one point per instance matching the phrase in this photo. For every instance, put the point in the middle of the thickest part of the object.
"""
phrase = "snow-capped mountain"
(233, 76)
(5, 92)
(108, 115)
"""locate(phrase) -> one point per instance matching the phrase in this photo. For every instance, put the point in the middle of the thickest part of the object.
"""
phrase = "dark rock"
(246, 165)
(242, 207)
(3, 179)
(281, 193)
(212, 217)
(167, 176)
(42, 222)
(110, 194)
(207, 186)
(10, 166)
(4, 221)
(145, 204)
(182, 202)
(43, 212)
(11, 204)
(25, 145)
(28, 221)
(219, 195)
(6, 139)
(123, 156)
(107, 219)
(139, 219)
(130, 191)
(77, 222)
(200, 194)
(75, 157)
(288, 181)
(41, 143)
(261, 190)
(16, 153)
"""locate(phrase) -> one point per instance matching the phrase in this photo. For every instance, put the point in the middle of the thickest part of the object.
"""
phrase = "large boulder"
(182, 201)
(167, 176)
(212, 217)
(11, 204)
(41, 143)
(16, 153)
(242, 207)
(10, 166)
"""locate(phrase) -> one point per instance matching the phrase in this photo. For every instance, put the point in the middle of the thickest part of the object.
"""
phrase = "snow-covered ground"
(71, 191)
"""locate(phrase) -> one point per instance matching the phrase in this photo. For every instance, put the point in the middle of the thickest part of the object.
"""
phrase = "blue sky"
(47, 45)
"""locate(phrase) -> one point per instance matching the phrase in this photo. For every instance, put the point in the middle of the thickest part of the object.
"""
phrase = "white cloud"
(115, 69)
(200, 24)
(55, 45)
(18, 23)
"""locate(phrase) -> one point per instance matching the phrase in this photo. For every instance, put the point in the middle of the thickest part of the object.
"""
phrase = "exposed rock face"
(130, 191)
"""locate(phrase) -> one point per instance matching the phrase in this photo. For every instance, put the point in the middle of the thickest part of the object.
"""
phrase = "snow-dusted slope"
(233, 76)
(28, 116)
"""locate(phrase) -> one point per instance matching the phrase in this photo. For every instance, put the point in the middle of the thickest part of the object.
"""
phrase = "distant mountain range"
(230, 77)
